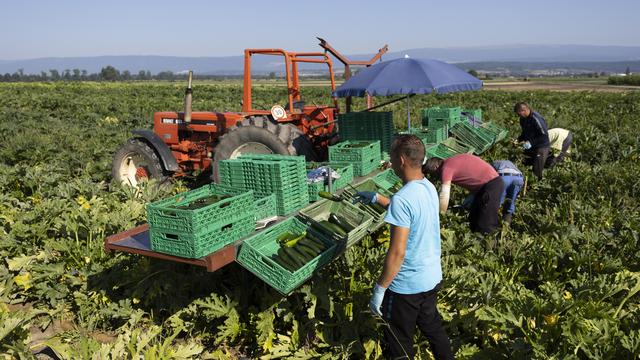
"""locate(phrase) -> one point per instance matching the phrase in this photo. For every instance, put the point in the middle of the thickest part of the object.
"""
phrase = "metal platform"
(136, 241)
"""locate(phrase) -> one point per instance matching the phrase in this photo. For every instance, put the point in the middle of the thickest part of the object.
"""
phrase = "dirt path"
(555, 86)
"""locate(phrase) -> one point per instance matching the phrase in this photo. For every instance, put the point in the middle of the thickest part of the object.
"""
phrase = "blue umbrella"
(408, 76)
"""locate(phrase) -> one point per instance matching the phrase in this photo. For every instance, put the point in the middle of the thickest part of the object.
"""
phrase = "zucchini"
(319, 243)
(306, 242)
(296, 257)
(286, 261)
(308, 251)
(280, 261)
(304, 255)
(323, 228)
(344, 224)
(336, 229)
(294, 241)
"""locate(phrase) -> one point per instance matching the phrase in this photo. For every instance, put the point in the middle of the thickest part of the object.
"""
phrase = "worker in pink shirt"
(477, 176)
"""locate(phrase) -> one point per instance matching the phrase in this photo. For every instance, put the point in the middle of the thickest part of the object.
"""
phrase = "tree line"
(107, 73)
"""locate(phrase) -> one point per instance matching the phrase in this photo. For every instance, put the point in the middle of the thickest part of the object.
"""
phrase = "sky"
(67, 28)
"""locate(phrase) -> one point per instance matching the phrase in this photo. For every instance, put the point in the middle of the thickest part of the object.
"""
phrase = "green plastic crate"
(368, 185)
(346, 176)
(198, 245)
(499, 132)
(266, 174)
(265, 207)
(449, 148)
(166, 215)
(478, 137)
(438, 117)
(274, 157)
(444, 112)
(356, 217)
(367, 126)
(476, 113)
(256, 251)
(387, 179)
(364, 159)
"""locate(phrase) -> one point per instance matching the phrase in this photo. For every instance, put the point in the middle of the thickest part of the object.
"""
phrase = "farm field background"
(563, 282)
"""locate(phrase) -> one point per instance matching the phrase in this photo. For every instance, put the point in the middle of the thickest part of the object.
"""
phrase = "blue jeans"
(512, 186)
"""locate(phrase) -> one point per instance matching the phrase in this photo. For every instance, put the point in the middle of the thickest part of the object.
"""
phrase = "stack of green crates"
(178, 230)
(357, 126)
(256, 252)
(438, 117)
(478, 137)
(346, 176)
(476, 113)
(448, 148)
(364, 155)
(265, 174)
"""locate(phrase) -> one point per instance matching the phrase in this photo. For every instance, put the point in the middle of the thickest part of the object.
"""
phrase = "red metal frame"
(192, 144)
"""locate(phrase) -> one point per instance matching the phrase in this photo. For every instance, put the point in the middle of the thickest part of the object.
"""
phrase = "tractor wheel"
(136, 162)
(260, 135)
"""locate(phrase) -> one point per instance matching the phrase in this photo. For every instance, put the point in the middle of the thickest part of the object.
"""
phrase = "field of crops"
(563, 282)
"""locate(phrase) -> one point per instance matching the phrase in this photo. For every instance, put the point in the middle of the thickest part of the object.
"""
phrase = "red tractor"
(184, 142)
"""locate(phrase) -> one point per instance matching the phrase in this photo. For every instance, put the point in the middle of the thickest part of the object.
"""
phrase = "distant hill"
(233, 65)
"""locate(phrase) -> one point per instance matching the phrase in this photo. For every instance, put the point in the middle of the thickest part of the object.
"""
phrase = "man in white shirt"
(560, 140)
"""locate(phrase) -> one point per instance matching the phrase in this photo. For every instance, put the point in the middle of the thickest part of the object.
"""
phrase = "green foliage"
(562, 282)
(629, 79)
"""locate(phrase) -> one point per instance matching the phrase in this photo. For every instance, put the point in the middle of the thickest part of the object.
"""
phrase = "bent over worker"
(405, 295)
(534, 137)
(560, 141)
(477, 176)
(513, 181)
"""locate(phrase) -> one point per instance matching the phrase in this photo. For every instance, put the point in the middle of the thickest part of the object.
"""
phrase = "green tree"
(627, 71)
(55, 75)
(109, 73)
(473, 73)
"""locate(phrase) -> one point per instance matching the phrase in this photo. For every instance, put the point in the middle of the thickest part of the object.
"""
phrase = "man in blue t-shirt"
(405, 294)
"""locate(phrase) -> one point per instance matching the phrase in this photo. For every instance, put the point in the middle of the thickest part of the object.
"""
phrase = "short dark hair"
(411, 147)
(519, 106)
(432, 166)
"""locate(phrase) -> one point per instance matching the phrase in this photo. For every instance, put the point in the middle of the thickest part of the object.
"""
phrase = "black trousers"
(484, 214)
(402, 313)
(538, 158)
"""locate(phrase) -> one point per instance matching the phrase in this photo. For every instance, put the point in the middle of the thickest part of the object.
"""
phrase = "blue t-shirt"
(416, 207)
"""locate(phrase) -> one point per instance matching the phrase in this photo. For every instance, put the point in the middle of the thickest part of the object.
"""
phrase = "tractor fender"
(168, 160)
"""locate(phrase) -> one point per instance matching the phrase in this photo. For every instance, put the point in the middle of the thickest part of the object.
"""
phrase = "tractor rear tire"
(136, 161)
(259, 134)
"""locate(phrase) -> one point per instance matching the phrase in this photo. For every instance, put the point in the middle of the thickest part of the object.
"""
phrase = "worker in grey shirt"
(513, 181)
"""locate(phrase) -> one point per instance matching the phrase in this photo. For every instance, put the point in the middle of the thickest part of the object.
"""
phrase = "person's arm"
(521, 137)
(382, 200)
(542, 133)
(444, 196)
(395, 255)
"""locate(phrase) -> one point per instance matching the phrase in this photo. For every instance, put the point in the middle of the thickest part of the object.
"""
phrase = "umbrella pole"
(408, 115)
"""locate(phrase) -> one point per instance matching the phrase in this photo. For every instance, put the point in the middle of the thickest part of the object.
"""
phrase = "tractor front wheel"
(136, 162)
(260, 135)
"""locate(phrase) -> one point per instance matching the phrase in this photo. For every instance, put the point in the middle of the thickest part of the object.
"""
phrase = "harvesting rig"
(184, 142)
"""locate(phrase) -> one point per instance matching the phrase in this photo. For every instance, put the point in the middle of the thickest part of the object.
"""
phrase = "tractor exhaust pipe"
(188, 98)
